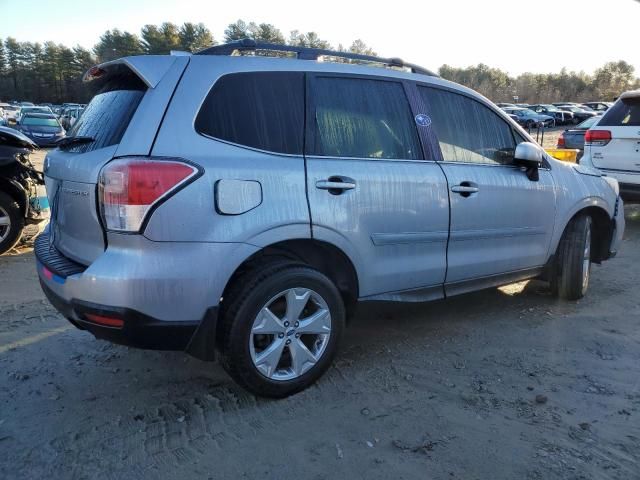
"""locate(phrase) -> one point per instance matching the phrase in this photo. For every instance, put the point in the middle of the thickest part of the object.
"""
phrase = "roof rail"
(306, 53)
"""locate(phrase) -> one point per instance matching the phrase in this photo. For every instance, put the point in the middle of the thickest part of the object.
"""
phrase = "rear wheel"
(573, 260)
(11, 223)
(280, 328)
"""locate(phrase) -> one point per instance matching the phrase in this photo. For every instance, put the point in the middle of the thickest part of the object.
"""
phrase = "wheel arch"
(16, 192)
(602, 231)
(321, 255)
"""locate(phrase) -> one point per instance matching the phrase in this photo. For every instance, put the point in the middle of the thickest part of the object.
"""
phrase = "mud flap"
(203, 342)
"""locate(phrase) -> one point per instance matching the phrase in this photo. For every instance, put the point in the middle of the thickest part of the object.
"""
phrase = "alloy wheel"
(290, 334)
(5, 224)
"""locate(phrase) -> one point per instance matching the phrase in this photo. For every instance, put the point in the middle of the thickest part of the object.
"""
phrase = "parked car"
(612, 144)
(579, 114)
(23, 197)
(598, 106)
(27, 110)
(523, 105)
(10, 111)
(573, 138)
(199, 205)
(561, 117)
(44, 129)
(69, 116)
(503, 105)
(529, 118)
(515, 118)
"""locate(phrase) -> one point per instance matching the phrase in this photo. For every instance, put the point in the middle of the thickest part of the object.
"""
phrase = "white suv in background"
(613, 144)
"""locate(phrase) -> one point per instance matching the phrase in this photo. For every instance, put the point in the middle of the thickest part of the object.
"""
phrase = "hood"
(40, 128)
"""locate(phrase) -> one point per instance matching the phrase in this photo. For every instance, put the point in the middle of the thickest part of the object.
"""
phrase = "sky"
(513, 35)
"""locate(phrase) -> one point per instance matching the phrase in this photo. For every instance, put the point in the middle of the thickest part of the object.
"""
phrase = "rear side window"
(468, 131)
(623, 113)
(109, 112)
(262, 110)
(362, 118)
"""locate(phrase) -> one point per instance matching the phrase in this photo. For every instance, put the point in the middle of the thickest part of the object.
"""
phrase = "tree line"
(53, 72)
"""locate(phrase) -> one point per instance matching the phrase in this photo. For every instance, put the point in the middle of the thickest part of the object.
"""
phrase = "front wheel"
(11, 223)
(573, 260)
(280, 328)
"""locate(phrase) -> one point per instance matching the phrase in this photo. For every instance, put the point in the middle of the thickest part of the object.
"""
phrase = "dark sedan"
(579, 114)
(561, 117)
(44, 129)
(574, 137)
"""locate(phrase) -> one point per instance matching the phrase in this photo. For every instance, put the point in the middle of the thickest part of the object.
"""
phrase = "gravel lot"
(507, 383)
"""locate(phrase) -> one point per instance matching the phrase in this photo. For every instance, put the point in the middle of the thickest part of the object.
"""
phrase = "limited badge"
(423, 120)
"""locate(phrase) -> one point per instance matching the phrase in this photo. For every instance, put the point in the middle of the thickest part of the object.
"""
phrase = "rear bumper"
(138, 330)
(629, 182)
(166, 294)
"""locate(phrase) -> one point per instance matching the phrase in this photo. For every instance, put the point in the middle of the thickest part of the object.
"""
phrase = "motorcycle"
(24, 207)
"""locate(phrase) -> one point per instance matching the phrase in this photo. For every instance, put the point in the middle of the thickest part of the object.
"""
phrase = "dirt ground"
(507, 383)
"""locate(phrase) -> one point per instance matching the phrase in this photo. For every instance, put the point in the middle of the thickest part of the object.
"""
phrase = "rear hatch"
(128, 96)
(622, 151)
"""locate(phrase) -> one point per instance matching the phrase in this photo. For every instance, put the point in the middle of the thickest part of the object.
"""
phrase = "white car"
(612, 145)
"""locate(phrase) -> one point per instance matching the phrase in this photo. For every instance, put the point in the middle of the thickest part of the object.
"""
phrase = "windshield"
(551, 108)
(36, 110)
(40, 122)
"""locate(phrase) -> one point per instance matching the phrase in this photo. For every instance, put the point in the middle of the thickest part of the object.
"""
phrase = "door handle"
(464, 189)
(336, 185)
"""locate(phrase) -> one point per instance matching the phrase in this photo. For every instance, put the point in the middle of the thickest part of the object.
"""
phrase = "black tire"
(572, 270)
(12, 234)
(241, 305)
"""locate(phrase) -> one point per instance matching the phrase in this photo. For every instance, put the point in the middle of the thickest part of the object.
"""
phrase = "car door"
(501, 222)
(370, 190)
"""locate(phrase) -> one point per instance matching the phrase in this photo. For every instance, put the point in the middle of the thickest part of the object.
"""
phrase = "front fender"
(565, 215)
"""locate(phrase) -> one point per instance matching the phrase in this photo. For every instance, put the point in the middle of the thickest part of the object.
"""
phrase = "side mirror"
(529, 156)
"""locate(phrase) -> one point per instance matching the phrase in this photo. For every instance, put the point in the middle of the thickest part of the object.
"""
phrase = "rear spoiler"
(149, 68)
(630, 94)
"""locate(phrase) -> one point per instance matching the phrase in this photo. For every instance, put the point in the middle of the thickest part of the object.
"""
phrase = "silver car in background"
(243, 204)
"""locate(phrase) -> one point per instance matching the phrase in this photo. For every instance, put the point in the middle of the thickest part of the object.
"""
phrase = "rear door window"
(624, 113)
(109, 112)
(362, 118)
(468, 131)
(263, 110)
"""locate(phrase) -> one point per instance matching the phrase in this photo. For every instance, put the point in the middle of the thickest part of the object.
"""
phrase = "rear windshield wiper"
(66, 141)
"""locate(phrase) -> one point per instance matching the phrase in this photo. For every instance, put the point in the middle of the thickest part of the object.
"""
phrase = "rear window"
(623, 113)
(109, 112)
(263, 110)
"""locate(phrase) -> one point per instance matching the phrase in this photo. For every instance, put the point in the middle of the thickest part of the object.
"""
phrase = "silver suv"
(245, 203)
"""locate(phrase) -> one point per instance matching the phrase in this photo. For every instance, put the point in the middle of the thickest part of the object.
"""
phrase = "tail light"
(597, 138)
(130, 187)
(561, 142)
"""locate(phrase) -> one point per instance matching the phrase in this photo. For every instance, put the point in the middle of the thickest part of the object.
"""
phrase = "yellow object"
(564, 154)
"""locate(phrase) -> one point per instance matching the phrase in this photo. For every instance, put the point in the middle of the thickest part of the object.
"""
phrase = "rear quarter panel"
(191, 215)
